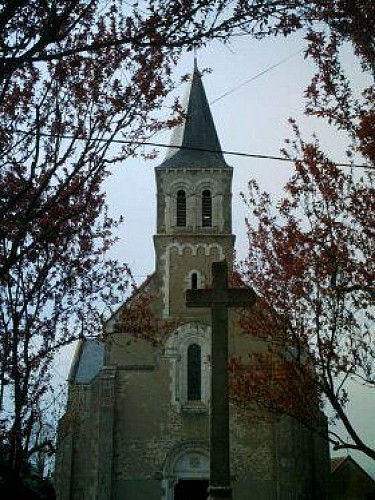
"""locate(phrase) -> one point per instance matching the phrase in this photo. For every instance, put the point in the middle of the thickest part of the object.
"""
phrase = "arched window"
(194, 375)
(194, 281)
(206, 208)
(188, 350)
(181, 208)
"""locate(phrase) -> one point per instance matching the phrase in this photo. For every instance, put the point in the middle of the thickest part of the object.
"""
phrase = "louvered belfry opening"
(181, 208)
(206, 208)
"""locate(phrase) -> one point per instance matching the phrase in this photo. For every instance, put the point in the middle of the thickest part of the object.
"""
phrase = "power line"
(203, 150)
(255, 77)
(257, 156)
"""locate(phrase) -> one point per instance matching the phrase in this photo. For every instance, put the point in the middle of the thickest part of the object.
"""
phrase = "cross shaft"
(218, 299)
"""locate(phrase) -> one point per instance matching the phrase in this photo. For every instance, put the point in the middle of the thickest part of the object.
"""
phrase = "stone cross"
(219, 298)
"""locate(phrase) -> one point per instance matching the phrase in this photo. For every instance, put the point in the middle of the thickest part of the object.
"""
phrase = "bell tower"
(194, 219)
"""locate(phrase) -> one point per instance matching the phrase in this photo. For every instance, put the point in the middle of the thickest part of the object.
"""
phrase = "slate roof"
(338, 462)
(87, 362)
(197, 131)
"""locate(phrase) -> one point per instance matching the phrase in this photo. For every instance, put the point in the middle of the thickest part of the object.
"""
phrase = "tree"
(53, 295)
(311, 260)
(76, 75)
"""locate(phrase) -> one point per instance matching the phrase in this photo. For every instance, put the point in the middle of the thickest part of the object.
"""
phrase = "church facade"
(136, 425)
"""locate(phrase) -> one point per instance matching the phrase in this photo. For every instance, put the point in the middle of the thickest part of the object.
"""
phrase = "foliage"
(311, 260)
(75, 75)
(139, 316)
(311, 256)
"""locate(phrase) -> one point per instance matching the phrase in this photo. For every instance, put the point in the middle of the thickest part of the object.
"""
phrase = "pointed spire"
(195, 140)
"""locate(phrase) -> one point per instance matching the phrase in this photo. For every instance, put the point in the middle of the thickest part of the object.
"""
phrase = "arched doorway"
(186, 473)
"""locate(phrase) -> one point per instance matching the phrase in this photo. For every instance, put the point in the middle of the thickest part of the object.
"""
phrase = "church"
(136, 426)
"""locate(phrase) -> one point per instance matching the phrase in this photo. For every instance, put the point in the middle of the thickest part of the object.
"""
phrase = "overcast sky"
(252, 119)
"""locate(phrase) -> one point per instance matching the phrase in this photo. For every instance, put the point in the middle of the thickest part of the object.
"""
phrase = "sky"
(251, 119)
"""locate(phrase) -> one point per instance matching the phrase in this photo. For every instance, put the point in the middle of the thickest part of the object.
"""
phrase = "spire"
(197, 131)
